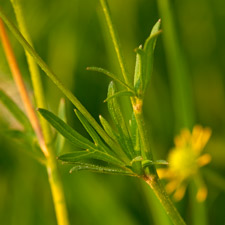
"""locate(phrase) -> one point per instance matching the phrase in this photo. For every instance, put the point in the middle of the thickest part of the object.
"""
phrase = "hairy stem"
(154, 182)
(151, 174)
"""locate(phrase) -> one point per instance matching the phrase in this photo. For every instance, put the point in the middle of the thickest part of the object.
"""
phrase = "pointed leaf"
(15, 110)
(88, 128)
(138, 74)
(101, 169)
(90, 154)
(67, 131)
(107, 128)
(97, 140)
(149, 48)
(118, 119)
(135, 137)
(120, 93)
(60, 140)
(111, 75)
(147, 163)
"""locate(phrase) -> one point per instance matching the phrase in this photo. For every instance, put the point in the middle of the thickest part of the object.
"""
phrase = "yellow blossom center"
(183, 162)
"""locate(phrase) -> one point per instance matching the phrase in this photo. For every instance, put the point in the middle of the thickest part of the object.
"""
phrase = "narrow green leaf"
(67, 131)
(138, 78)
(97, 140)
(108, 128)
(101, 169)
(118, 119)
(149, 48)
(118, 94)
(135, 136)
(111, 75)
(146, 163)
(90, 154)
(88, 128)
(60, 140)
(15, 110)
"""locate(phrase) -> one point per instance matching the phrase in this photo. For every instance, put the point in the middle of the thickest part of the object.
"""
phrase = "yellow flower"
(184, 162)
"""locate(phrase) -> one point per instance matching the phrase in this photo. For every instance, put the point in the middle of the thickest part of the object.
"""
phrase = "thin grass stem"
(34, 72)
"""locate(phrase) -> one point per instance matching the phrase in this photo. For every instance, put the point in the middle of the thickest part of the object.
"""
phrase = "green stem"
(115, 41)
(152, 177)
(137, 107)
(154, 182)
(34, 72)
(51, 165)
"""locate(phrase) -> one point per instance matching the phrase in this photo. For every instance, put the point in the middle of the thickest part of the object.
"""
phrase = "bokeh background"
(71, 35)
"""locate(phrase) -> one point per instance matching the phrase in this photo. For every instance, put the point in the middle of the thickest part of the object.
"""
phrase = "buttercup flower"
(184, 162)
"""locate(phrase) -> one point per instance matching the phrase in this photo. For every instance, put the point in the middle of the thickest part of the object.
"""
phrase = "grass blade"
(15, 110)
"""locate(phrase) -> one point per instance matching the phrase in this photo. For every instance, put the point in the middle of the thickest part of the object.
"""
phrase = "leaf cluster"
(112, 150)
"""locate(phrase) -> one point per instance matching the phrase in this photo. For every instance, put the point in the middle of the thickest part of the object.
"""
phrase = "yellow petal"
(204, 160)
(199, 138)
(202, 194)
(179, 194)
(171, 186)
(183, 139)
(165, 173)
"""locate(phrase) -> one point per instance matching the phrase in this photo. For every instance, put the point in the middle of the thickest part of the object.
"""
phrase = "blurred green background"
(71, 35)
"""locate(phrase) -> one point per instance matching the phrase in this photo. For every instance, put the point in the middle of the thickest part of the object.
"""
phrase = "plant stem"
(21, 87)
(151, 175)
(115, 41)
(137, 108)
(34, 72)
(51, 164)
(156, 185)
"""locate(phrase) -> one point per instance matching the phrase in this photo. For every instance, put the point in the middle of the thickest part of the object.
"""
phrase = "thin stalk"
(51, 165)
(34, 72)
(137, 107)
(21, 87)
(154, 182)
(151, 177)
(115, 41)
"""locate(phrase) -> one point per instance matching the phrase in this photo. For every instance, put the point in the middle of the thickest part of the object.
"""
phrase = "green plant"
(124, 150)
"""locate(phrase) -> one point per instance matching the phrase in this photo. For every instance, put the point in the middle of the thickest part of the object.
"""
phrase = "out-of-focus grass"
(69, 36)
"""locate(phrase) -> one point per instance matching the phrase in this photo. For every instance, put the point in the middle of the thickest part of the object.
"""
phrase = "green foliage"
(144, 61)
